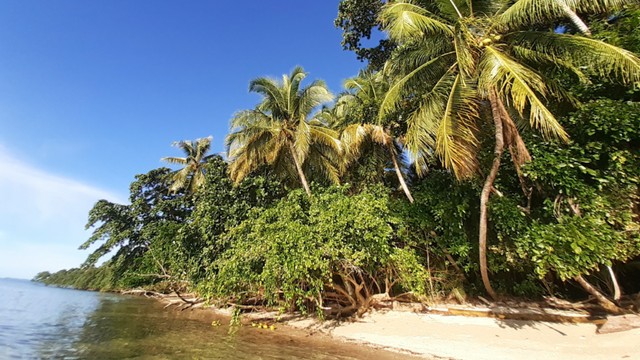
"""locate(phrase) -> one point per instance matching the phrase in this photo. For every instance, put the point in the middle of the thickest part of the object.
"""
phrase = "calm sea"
(40, 322)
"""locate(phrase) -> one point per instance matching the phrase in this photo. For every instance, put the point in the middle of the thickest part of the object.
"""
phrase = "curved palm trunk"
(403, 184)
(519, 152)
(614, 282)
(486, 191)
(602, 300)
(575, 19)
(303, 179)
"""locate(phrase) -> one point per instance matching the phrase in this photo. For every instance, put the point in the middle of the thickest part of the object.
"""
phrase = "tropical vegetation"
(487, 147)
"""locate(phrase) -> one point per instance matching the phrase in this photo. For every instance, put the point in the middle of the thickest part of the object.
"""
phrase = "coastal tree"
(331, 252)
(590, 220)
(220, 206)
(130, 231)
(458, 58)
(358, 20)
(191, 176)
(283, 132)
(357, 120)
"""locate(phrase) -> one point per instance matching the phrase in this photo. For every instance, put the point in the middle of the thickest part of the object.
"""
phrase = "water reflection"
(139, 328)
(49, 323)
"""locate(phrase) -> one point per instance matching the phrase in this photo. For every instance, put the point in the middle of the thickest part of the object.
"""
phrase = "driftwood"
(181, 301)
(145, 293)
(191, 303)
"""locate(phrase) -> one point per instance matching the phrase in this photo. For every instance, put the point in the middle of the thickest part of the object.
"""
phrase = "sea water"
(42, 322)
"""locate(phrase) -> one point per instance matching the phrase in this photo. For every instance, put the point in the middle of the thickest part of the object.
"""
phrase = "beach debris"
(619, 323)
(265, 326)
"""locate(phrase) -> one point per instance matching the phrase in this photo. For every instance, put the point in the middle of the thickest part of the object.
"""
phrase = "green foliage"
(358, 19)
(441, 216)
(620, 29)
(87, 278)
(284, 133)
(602, 158)
(291, 253)
(589, 192)
(575, 246)
(141, 235)
(220, 206)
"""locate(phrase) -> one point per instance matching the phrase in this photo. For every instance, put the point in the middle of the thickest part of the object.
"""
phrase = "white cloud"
(42, 218)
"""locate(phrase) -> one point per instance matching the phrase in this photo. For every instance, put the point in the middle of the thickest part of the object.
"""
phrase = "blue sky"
(94, 92)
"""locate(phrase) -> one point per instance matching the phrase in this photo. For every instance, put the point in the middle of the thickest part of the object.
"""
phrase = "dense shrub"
(330, 249)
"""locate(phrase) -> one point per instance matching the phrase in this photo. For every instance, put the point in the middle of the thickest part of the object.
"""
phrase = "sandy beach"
(459, 337)
(487, 332)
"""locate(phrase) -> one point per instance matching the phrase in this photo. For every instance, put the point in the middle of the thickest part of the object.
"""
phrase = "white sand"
(457, 337)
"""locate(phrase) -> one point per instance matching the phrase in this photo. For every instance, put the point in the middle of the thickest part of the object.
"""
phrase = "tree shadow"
(521, 324)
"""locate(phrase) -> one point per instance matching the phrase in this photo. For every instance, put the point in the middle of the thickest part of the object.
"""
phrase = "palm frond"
(465, 52)
(175, 160)
(379, 135)
(422, 124)
(351, 139)
(602, 6)
(325, 136)
(302, 140)
(455, 141)
(202, 147)
(452, 9)
(604, 59)
(544, 60)
(323, 162)
(184, 145)
(520, 87)
(411, 55)
(269, 89)
(261, 149)
(180, 179)
(407, 21)
(525, 13)
(443, 124)
(427, 71)
(310, 97)
(292, 85)
(488, 8)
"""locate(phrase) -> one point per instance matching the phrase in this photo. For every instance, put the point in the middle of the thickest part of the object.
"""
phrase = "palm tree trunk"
(486, 191)
(575, 19)
(614, 283)
(399, 173)
(517, 148)
(602, 300)
(303, 179)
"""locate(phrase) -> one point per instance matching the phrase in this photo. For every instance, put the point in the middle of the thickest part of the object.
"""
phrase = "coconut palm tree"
(191, 176)
(356, 111)
(532, 12)
(458, 56)
(282, 131)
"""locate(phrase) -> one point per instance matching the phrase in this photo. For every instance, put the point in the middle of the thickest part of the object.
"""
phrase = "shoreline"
(485, 332)
(438, 336)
